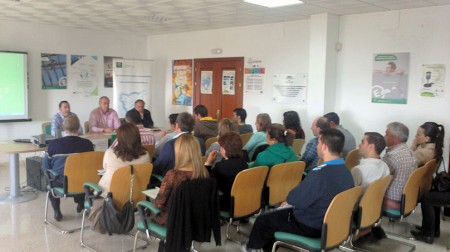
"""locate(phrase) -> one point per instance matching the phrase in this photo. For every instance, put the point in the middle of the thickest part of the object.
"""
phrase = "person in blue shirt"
(58, 119)
(310, 155)
(305, 206)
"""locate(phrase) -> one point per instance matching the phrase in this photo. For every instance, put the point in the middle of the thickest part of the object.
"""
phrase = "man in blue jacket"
(305, 207)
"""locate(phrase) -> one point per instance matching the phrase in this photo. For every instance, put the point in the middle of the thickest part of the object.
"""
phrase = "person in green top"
(280, 147)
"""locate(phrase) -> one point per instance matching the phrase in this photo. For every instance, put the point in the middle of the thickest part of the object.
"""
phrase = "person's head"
(239, 115)
(71, 124)
(188, 155)
(64, 108)
(333, 118)
(103, 103)
(200, 111)
(139, 105)
(431, 132)
(231, 145)
(263, 121)
(390, 67)
(225, 126)
(129, 145)
(371, 145)
(291, 121)
(185, 122)
(331, 142)
(276, 133)
(396, 133)
(173, 120)
(319, 124)
(133, 116)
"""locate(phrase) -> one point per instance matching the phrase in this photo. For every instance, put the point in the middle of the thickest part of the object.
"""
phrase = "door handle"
(218, 113)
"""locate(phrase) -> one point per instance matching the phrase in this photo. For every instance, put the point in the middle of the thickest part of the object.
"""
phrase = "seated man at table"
(58, 118)
(144, 114)
(134, 118)
(306, 204)
(103, 119)
(70, 143)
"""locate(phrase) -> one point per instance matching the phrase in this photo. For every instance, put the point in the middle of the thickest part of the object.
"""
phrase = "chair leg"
(82, 244)
(193, 247)
(51, 224)
(135, 240)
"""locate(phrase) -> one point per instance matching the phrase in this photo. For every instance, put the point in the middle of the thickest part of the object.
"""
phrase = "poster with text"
(54, 71)
(390, 78)
(206, 82)
(254, 76)
(228, 82)
(83, 78)
(290, 88)
(433, 80)
(182, 82)
(108, 70)
(132, 81)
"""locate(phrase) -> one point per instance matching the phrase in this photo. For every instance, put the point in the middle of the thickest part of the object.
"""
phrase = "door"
(218, 84)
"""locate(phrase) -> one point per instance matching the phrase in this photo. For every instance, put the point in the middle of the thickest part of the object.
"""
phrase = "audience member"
(103, 118)
(166, 135)
(350, 142)
(262, 123)
(166, 159)
(428, 142)
(228, 167)
(188, 165)
(310, 155)
(145, 115)
(128, 151)
(70, 143)
(239, 116)
(58, 119)
(400, 160)
(371, 167)
(279, 150)
(205, 126)
(225, 126)
(291, 121)
(134, 118)
(305, 206)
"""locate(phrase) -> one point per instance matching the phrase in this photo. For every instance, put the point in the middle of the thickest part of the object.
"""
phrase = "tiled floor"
(22, 228)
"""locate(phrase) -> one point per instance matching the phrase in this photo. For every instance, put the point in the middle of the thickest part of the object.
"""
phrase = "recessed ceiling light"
(274, 3)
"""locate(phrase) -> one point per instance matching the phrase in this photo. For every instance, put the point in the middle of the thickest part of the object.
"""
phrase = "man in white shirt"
(371, 167)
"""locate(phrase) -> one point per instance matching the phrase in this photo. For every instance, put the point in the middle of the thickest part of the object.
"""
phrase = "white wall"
(422, 32)
(283, 47)
(36, 39)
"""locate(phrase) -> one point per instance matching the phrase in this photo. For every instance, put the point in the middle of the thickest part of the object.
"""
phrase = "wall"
(36, 39)
(283, 47)
(421, 32)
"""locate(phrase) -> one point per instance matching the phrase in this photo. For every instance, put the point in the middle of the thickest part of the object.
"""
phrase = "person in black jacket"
(146, 116)
(232, 163)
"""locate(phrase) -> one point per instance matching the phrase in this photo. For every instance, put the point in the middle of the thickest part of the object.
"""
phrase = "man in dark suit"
(146, 116)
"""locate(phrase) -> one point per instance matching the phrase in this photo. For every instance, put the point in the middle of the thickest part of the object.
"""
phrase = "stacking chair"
(78, 169)
(46, 128)
(298, 145)
(427, 180)
(352, 159)
(281, 180)
(246, 194)
(150, 149)
(186, 201)
(336, 226)
(210, 141)
(120, 190)
(245, 138)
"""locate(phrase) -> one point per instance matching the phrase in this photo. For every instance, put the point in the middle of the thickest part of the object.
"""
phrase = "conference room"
(329, 47)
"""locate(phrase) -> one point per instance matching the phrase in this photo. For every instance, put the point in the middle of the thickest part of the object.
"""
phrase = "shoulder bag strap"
(131, 182)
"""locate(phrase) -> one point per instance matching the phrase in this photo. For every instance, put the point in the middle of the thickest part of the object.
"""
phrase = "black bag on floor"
(441, 182)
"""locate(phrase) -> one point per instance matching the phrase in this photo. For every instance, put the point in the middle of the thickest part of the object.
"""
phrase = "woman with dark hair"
(128, 151)
(225, 126)
(280, 147)
(428, 142)
(232, 163)
(291, 121)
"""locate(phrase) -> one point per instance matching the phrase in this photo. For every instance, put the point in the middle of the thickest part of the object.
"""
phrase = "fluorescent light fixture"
(274, 3)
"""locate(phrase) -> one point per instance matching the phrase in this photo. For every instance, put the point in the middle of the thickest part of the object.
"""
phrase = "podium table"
(13, 149)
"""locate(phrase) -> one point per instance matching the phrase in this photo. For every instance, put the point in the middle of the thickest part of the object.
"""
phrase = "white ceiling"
(151, 17)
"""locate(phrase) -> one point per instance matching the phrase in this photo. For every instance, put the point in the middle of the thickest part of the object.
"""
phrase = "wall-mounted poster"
(182, 82)
(54, 71)
(433, 80)
(83, 77)
(108, 70)
(206, 82)
(254, 76)
(390, 78)
(228, 82)
(290, 88)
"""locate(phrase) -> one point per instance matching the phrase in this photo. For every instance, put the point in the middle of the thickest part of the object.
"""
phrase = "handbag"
(441, 183)
(118, 221)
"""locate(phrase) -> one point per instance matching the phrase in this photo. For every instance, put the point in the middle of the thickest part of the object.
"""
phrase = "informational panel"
(433, 80)
(83, 75)
(254, 76)
(132, 81)
(182, 82)
(228, 82)
(54, 71)
(108, 70)
(290, 88)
